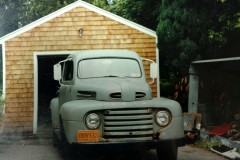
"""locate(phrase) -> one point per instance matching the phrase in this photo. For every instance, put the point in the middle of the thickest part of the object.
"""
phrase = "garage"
(214, 92)
(30, 52)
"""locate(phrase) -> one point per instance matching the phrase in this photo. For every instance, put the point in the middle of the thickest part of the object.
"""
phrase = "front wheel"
(55, 139)
(167, 152)
(67, 149)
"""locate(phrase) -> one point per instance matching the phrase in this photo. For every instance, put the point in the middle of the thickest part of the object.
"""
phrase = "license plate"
(88, 136)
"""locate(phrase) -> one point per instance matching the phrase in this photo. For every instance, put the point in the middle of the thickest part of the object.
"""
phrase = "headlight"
(93, 121)
(163, 118)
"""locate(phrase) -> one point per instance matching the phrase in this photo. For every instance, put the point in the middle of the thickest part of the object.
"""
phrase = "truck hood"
(113, 89)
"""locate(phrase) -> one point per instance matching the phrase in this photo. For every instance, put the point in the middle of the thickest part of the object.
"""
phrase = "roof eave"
(216, 60)
(70, 7)
(38, 22)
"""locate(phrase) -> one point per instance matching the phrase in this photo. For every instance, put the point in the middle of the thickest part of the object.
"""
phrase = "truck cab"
(105, 101)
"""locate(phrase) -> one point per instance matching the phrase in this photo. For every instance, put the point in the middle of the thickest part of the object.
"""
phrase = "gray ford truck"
(105, 102)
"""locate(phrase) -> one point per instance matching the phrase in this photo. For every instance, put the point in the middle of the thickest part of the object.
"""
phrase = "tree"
(100, 3)
(225, 35)
(189, 30)
(182, 34)
(17, 13)
(144, 12)
(9, 15)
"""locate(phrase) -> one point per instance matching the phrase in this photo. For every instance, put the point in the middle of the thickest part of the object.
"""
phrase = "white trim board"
(71, 6)
(4, 69)
(3, 74)
(158, 70)
(35, 57)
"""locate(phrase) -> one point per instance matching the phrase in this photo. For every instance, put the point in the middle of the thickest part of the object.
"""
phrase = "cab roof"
(87, 54)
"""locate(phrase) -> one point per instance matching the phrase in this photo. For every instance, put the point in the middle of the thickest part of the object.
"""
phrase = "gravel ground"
(34, 148)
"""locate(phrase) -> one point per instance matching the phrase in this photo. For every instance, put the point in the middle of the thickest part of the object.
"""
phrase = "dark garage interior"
(47, 86)
(219, 91)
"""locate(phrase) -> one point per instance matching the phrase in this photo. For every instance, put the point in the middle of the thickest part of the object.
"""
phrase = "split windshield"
(109, 67)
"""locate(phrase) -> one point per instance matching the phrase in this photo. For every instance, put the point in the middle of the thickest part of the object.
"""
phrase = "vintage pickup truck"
(105, 102)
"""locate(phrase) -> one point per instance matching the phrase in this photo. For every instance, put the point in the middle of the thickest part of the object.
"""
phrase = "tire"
(62, 134)
(55, 139)
(67, 149)
(167, 152)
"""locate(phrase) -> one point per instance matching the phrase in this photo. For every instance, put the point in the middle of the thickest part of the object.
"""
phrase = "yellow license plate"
(88, 136)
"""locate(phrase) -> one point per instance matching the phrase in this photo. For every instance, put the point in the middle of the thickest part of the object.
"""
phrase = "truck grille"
(128, 124)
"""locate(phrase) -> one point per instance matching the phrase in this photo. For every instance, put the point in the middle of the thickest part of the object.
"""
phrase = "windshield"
(109, 67)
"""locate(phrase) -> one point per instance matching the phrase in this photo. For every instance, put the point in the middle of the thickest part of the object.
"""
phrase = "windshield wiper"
(115, 76)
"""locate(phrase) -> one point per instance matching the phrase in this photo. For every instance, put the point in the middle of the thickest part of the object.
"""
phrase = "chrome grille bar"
(127, 123)
(131, 124)
(131, 117)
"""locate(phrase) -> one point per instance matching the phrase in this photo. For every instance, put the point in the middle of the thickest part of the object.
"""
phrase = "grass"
(207, 144)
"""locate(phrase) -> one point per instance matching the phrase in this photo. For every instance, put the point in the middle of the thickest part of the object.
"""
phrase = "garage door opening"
(47, 88)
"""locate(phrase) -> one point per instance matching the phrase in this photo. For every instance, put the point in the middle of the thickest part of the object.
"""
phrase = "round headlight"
(163, 118)
(93, 121)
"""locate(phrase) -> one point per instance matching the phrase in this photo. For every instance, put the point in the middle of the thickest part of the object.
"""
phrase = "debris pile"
(230, 131)
(192, 126)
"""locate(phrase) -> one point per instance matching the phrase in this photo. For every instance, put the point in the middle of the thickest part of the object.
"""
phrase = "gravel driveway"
(42, 149)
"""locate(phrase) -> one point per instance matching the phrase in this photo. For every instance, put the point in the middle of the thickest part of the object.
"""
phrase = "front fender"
(75, 110)
(72, 114)
(173, 106)
(175, 129)
(54, 107)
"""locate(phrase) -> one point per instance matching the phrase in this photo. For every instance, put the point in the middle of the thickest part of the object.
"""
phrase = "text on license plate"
(88, 136)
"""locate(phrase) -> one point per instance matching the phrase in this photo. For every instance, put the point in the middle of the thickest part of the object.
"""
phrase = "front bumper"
(133, 145)
(117, 117)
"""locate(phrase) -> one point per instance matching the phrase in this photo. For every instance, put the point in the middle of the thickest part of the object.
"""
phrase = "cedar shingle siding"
(61, 34)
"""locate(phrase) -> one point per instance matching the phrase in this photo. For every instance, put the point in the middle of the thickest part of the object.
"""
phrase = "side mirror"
(153, 70)
(57, 72)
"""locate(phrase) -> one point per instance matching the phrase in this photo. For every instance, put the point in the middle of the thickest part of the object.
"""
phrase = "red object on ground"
(220, 130)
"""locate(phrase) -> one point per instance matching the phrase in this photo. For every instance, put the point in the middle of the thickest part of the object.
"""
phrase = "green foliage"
(237, 25)
(144, 12)
(226, 27)
(181, 35)
(10, 11)
(17, 13)
(190, 30)
(217, 37)
(100, 3)
(207, 144)
(35, 9)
